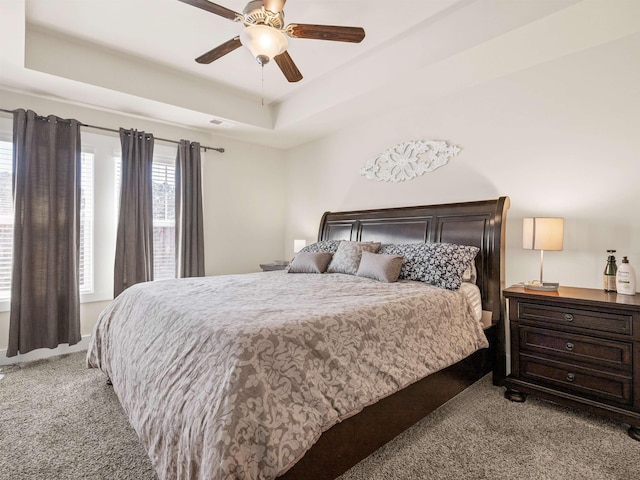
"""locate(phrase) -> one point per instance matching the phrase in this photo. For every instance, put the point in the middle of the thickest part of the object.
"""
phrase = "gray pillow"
(384, 268)
(323, 246)
(310, 262)
(347, 257)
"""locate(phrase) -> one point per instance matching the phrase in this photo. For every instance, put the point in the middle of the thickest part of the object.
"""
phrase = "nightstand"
(578, 347)
(269, 267)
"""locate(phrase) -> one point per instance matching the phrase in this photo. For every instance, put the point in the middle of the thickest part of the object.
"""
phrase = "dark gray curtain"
(189, 223)
(45, 298)
(134, 240)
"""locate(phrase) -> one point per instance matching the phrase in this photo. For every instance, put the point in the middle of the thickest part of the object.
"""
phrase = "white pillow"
(470, 275)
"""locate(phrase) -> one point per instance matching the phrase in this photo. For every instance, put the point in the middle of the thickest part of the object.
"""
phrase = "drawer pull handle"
(568, 317)
(570, 346)
(571, 377)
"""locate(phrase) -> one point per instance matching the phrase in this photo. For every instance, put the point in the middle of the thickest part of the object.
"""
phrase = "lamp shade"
(263, 42)
(299, 245)
(540, 233)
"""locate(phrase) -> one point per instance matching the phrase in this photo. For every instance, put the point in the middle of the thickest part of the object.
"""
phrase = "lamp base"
(541, 286)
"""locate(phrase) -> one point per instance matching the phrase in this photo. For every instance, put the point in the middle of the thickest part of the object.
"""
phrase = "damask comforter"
(236, 377)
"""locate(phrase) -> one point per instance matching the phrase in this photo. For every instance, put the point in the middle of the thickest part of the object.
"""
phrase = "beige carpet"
(59, 420)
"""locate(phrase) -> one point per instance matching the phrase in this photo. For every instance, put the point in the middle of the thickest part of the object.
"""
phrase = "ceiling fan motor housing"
(255, 14)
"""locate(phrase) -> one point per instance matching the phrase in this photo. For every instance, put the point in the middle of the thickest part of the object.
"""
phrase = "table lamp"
(299, 245)
(540, 233)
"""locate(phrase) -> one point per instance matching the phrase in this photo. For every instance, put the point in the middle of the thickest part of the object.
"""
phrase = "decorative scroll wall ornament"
(405, 161)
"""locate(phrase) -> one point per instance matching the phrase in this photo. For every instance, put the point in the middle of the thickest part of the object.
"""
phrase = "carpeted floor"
(59, 420)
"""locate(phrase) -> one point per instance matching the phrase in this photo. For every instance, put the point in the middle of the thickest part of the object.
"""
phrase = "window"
(163, 175)
(98, 215)
(6, 218)
(6, 221)
(164, 218)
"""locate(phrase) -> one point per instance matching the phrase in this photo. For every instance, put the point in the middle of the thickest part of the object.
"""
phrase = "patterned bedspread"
(236, 377)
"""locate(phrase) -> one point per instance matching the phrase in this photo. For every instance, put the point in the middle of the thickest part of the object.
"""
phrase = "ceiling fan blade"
(326, 32)
(287, 66)
(219, 51)
(213, 8)
(274, 6)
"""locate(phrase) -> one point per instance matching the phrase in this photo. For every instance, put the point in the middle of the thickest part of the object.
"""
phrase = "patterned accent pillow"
(384, 268)
(440, 264)
(347, 257)
(323, 246)
(413, 253)
(310, 262)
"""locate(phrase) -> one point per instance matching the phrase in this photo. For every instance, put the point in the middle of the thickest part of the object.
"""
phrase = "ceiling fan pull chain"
(262, 86)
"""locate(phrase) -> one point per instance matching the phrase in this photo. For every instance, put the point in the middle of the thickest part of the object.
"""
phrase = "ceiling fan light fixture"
(265, 34)
(264, 42)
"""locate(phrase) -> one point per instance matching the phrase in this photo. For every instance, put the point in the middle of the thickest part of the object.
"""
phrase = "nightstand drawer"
(617, 388)
(592, 320)
(578, 348)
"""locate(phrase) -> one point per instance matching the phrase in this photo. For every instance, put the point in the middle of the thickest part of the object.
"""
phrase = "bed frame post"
(500, 219)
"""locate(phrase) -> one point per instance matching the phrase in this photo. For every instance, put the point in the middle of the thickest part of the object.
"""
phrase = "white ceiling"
(137, 57)
(173, 33)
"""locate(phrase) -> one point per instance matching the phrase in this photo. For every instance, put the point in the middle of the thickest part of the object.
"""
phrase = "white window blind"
(86, 223)
(164, 219)
(6, 218)
(163, 174)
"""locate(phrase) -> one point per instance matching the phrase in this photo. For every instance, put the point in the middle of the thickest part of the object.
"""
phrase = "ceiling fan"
(265, 34)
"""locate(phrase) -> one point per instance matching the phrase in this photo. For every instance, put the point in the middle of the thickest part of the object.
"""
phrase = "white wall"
(560, 139)
(243, 198)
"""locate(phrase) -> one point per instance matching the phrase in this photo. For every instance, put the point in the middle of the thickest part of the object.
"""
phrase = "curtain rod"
(204, 147)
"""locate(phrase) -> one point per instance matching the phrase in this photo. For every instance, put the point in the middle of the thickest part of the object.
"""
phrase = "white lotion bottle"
(626, 278)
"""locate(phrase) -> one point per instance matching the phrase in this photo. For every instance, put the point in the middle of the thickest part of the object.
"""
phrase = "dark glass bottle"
(610, 272)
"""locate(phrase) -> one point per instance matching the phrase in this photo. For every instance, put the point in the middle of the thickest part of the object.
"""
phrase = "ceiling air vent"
(221, 123)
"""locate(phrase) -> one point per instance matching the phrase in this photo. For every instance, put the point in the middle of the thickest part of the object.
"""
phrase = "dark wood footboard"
(481, 224)
(351, 441)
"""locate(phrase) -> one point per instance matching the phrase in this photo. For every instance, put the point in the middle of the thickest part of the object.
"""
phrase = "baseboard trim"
(41, 353)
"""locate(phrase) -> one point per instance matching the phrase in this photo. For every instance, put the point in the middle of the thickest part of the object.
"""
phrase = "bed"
(167, 363)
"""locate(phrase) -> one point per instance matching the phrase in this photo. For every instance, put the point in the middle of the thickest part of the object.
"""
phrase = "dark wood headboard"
(481, 224)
